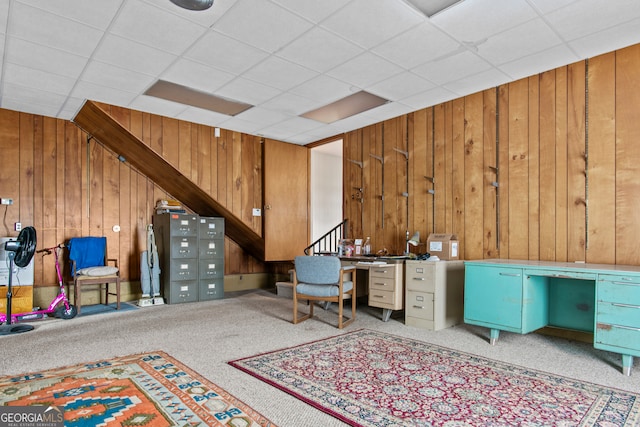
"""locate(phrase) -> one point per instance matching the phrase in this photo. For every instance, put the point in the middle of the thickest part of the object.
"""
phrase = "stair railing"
(328, 243)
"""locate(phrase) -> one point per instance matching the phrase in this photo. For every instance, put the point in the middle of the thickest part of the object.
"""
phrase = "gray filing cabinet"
(177, 241)
(434, 293)
(210, 258)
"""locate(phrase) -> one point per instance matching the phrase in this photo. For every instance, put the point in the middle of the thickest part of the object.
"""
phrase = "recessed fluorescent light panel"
(346, 107)
(432, 7)
(195, 98)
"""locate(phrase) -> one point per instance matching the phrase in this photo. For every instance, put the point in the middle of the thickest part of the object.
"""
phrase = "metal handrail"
(328, 243)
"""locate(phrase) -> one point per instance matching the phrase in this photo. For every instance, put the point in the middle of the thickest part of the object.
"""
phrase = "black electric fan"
(20, 252)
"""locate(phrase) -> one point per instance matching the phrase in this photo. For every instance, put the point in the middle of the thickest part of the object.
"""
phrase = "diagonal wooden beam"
(100, 125)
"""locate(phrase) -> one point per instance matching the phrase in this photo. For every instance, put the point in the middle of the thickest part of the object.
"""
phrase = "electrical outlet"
(6, 201)
(18, 226)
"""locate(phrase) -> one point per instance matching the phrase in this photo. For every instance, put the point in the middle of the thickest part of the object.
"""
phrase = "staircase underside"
(101, 126)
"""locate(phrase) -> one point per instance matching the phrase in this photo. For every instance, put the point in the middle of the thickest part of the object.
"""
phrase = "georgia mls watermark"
(31, 416)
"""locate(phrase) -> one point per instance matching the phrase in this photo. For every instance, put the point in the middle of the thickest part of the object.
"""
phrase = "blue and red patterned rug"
(368, 378)
(149, 389)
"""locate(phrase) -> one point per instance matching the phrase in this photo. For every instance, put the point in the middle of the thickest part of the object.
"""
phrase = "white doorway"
(326, 188)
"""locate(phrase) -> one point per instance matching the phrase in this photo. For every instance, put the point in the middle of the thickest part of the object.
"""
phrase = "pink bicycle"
(60, 305)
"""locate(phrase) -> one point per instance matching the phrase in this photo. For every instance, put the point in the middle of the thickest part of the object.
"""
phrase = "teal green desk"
(523, 296)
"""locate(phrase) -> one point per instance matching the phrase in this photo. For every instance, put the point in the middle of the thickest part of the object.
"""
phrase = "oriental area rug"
(368, 378)
(150, 389)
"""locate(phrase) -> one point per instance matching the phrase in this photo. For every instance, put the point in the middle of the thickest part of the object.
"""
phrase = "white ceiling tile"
(268, 53)
(608, 40)
(239, 125)
(475, 20)
(108, 75)
(516, 42)
(246, 21)
(430, 97)
(96, 92)
(202, 116)
(133, 56)
(417, 46)
(452, 68)
(323, 90)
(43, 58)
(262, 116)
(4, 15)
(41, 27)
(96, 13)
(478, 82)
(365, 70)
(546, 6)
(371, 22)
(196, 76)
(540, 62)
(320, 50)
(37, 79)
(290, 103)
(70, 108)
(157, 106)
(219, 51)
(314, 11)
(400, 86)
(590, 16)
(33, 96)
(279, 73)
(153, 26)
(22, 104)
(247, 91)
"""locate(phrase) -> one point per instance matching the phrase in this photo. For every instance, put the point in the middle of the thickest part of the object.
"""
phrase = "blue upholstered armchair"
(322, 278)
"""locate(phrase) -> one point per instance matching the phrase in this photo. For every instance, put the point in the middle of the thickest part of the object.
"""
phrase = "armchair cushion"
(323, 290)
(106, 270)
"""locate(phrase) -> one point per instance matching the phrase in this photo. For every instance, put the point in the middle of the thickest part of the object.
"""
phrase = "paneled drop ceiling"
(288, 57)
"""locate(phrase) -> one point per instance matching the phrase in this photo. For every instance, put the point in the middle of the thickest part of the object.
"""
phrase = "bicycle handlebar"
(48, 250)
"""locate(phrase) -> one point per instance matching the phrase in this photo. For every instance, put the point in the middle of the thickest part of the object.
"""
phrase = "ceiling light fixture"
(346, 107)
(189, 96)
(193, 4)
(432, 7)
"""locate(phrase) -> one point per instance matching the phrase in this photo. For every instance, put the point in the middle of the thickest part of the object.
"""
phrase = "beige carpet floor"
(206, 335)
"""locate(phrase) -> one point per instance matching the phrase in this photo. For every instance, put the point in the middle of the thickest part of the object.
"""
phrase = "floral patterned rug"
(368, 378)
(150, 389)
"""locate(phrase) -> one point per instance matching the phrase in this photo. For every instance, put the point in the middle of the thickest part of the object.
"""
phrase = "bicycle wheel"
(63, 313)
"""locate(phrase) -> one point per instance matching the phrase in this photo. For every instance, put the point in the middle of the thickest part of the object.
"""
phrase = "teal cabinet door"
(493, 297)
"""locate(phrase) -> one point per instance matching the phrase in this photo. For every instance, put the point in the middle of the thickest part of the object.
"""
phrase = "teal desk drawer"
(619, 291)
(561, 274)
(621, 337)
(618, 314)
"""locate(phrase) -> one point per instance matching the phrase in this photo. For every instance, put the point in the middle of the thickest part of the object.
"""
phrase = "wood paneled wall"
(66, 186)
(543, 168)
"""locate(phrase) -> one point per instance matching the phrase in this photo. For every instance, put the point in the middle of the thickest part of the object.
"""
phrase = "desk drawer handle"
(626, 327)
(380, 271)
(510, 274)
(625, 305)
(626, 283)
(381, 283)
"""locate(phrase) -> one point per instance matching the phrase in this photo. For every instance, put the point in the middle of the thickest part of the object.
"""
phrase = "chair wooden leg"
(76, 296)
(118, 294)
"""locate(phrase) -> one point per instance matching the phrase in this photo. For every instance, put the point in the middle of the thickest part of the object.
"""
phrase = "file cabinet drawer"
(419, 305)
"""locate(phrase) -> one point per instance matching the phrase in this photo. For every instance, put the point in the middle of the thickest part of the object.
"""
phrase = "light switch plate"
(257, 212)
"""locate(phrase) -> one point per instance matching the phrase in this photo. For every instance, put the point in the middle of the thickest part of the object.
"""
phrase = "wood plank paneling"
(627, 243)
(602, 159)
(547, 175)
(471, 174)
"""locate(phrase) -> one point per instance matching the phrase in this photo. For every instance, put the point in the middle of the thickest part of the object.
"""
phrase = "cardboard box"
(21, 299)
(444, 246)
